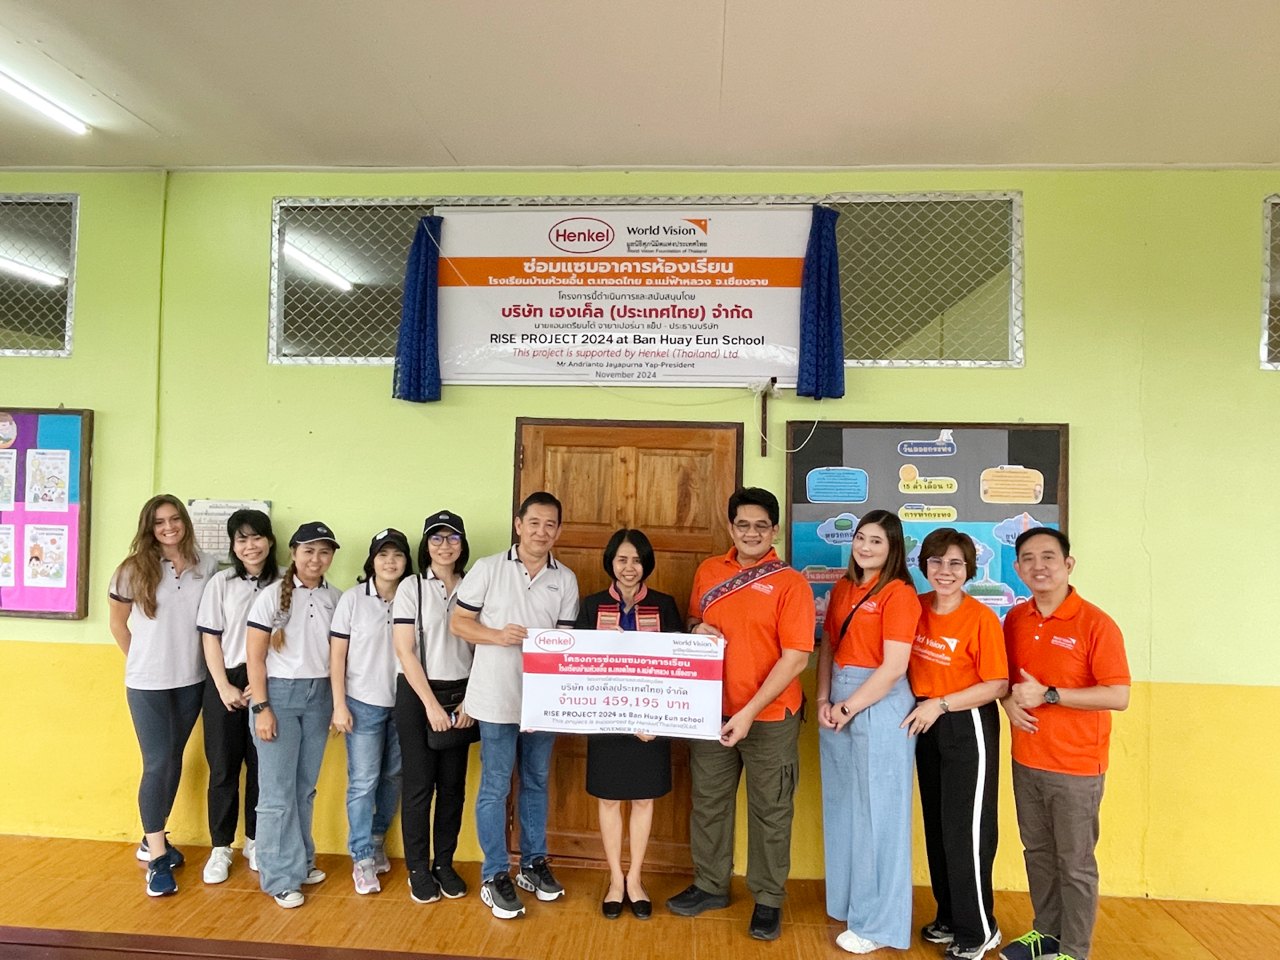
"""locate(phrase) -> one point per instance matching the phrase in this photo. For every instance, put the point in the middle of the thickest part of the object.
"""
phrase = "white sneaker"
(289, 899)
(381, 864)
(219, 865)
(251, 854)
(853, 943)
(315, 875)
(365, 877)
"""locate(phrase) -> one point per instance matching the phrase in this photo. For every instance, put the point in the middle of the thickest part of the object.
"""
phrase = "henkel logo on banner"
(554, 641)
(581, 235)
(641, 295)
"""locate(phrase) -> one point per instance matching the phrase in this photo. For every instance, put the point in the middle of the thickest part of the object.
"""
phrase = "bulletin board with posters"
(989, 480)
(46, 459)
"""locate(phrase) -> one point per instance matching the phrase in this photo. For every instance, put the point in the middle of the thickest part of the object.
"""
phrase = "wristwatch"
(1051, 695)
(259, 707)
(942, 702)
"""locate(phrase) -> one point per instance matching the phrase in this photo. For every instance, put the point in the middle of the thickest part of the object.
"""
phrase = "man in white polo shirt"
(504, 597)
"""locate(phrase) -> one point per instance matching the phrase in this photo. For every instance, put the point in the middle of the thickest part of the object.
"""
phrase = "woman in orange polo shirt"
(863, 696)
(958, 670)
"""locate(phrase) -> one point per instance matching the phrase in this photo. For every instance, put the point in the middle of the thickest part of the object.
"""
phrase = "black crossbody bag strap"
(422, 640)
(849, 619)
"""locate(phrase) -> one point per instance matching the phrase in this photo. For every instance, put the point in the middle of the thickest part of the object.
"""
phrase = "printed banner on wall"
(656, 296)
(608, 681)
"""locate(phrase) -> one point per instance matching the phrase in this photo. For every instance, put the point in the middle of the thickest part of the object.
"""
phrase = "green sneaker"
(1033, 946)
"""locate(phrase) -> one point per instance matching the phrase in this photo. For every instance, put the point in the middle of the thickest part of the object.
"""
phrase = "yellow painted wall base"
(1178, 817)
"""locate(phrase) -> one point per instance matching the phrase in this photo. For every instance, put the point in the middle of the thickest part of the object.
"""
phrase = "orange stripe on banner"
(620, 271)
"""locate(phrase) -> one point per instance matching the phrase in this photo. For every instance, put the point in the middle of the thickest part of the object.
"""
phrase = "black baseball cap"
(311, 532)
(444, 518)
(392, 537)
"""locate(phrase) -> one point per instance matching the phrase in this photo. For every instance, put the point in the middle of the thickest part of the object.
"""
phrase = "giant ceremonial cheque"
(608, 681)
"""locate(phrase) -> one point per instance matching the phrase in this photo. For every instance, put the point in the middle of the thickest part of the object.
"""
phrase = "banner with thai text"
(610, 681)
(656, 296)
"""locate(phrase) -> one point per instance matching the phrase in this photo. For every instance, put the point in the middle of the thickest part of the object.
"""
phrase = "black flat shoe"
(642, 909)
(612, 909)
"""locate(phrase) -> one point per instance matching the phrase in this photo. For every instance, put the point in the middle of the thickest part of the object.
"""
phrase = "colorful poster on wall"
(48, 480)
(7, 555)
(8, 478)
(991, 482)
(45, 460)
(660, 296)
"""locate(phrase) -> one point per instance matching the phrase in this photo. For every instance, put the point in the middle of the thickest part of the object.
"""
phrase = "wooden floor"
(83, 885)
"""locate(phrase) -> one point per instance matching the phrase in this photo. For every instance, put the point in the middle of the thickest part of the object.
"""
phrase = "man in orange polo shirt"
(764, 610)
(1067, 660)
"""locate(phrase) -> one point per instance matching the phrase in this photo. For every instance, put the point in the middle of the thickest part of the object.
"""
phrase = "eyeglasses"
(743, 526)
(954, 566)
(437, 540)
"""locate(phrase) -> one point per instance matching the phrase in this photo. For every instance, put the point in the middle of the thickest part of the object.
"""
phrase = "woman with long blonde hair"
(291, 703)
(154, 597)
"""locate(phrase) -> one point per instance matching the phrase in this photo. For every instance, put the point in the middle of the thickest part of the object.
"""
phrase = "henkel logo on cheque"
(581, 235)
(554, 641)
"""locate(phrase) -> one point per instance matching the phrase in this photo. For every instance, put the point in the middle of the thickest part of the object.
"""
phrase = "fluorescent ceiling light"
(16, 88)
(30, 273)
(312, 265)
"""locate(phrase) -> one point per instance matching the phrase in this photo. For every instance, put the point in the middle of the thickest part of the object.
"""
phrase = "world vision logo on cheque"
(554, 641)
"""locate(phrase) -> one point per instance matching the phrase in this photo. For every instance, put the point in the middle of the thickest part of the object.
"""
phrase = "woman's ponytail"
(286, 600)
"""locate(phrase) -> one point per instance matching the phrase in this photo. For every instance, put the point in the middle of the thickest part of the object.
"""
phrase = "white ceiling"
(487, 83)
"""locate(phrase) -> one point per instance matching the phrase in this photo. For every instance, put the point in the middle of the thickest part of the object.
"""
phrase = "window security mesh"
(931, 280)
(337, 277)
(1271, 283)
(37, 273)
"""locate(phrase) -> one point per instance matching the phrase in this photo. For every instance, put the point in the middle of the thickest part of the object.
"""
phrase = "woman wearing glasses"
(863, 696)
(958, 670)
(620, 767)
(435, 732)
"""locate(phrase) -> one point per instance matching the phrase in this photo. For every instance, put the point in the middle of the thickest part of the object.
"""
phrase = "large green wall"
(1142, 305)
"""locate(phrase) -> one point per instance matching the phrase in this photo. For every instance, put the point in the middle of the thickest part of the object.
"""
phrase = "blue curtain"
(417, 372)
(821, 371)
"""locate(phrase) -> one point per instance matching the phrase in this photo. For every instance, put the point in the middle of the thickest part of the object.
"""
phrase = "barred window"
(931, 279)
(37, 273)
(337, 277)
(1271, 283)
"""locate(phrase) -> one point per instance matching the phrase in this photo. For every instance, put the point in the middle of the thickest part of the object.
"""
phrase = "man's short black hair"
(753, 497)
(1058, 535)
(543, 498)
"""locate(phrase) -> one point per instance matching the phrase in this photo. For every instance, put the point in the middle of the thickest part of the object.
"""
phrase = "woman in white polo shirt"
(292, 702)
(435, 732)
(155, 594)
(362, 668)
(228, 742)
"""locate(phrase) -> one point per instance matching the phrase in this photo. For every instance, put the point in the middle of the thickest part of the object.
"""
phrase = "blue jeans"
(498, 745)
(373, 775)
(288, 768)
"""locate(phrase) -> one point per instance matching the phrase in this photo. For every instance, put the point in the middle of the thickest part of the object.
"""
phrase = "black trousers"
(228, 745)
(162, 719)
(957, 762)
(425, 772)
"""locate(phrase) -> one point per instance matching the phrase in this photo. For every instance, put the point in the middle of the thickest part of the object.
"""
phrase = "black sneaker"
(537, 879)
(160, 882)
(176, 859)
(694, 900)
(937, 933)
(423, 887)
(499, 894)
(451, 885)
(1032, 945)
(766, 922)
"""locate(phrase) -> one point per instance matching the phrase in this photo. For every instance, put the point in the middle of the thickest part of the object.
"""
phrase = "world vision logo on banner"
(687, 236)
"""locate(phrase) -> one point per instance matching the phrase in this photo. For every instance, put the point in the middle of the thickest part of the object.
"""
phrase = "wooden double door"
(673, 481)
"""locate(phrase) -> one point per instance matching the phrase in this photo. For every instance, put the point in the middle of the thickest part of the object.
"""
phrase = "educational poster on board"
(48, 480)
(991, 482)
(44, 556)
(650, 296)
(45, 478)
(8, 478)
(7, 555)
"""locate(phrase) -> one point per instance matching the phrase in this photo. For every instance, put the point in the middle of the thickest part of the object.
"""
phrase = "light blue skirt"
(866, 813)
